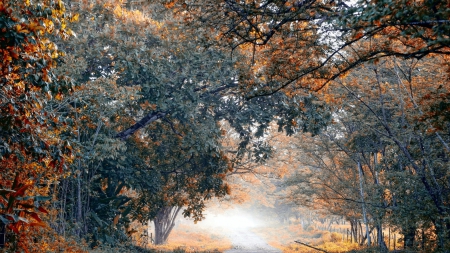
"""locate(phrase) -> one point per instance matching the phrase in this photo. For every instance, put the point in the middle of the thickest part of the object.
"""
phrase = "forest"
(314, 126)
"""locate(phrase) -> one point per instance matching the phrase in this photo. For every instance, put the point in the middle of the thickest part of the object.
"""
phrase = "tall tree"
(170, 129)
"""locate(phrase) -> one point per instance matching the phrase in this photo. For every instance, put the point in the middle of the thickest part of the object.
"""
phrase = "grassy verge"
(284, 239)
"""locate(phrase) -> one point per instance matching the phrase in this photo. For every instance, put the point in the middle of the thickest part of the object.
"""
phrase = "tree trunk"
(380, 239)
(165, 222)
(409, 235)
(363, 203)
(79, 206)
(354, 229)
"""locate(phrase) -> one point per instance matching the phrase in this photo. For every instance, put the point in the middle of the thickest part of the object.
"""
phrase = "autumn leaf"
(21, 190)
(41, 209)
(35, 216)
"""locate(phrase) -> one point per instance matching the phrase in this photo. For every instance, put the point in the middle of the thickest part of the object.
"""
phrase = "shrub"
(336, 237)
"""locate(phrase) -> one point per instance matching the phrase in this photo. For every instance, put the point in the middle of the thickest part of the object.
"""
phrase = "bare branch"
(309, 246)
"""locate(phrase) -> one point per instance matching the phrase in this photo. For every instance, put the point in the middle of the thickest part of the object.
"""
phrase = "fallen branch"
(304, 244)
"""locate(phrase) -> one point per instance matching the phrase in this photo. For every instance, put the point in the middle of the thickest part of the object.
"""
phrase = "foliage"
(31, 153)
(19, 212)
(28, 82)
(306, 44)
(380, 125)
(133, 75)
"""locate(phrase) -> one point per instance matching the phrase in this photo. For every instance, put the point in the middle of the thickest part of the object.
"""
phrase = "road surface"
(245, 241)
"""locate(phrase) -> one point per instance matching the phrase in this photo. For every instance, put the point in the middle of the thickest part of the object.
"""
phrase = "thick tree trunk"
(165, 222)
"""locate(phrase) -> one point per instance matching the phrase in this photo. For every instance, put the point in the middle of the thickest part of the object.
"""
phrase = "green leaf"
(97, 219)
(4, 220)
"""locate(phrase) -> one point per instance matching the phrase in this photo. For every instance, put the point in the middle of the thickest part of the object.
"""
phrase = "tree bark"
(164, 223)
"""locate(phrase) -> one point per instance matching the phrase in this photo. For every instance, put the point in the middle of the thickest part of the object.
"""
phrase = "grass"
(189, 239)
(284, 239)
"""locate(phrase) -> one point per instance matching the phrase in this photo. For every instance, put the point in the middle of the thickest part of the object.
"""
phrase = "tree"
(186, 180)
(163, 140)
(31, 154)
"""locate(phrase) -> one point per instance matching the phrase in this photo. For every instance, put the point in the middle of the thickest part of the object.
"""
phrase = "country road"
(245, 241)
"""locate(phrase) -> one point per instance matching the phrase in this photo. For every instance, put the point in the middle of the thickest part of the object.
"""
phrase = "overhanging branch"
(153, 116)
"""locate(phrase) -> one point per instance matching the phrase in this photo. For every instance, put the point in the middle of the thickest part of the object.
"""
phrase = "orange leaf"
(14, 228)
(52, 164)
(38, 224)
(21, 191)
(358, 35)
(42, 210)
(35, 216)
(170, 4)
(116, 219)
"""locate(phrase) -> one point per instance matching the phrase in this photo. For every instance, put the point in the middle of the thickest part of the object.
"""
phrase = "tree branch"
(309, 246)
(140, 124)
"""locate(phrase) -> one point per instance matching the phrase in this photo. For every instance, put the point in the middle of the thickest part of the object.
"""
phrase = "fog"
(239, 226)
(233, 219)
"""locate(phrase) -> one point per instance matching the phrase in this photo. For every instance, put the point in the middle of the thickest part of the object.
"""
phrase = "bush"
(326, 236)
(336, 237)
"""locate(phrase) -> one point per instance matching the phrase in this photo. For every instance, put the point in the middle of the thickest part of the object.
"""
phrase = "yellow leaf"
(59, 96)
(74, 18)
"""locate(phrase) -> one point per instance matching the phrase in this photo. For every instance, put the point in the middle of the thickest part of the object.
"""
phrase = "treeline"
(383, 162)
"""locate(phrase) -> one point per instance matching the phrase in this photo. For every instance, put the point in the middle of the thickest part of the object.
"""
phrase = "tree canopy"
(306, 44)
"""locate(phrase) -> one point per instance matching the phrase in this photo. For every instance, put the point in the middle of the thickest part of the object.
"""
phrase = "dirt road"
(245, 241)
